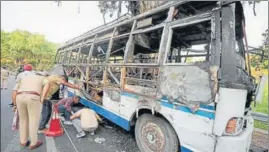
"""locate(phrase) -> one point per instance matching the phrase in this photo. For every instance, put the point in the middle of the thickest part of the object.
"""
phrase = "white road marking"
(14, 146)
(75, 148)
(50, 144)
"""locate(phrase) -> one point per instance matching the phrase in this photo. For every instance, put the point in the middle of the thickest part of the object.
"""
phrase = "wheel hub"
(153, 137)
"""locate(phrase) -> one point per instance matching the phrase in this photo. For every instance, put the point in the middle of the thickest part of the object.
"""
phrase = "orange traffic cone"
(55, 128)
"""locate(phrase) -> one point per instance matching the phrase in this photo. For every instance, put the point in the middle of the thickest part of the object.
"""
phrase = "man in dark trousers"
(54, 82)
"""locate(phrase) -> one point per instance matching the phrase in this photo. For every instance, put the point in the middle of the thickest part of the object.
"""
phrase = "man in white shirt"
(88, 121)
(27, 72)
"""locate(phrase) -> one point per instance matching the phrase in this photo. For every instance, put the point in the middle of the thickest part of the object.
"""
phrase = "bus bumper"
(240, 143)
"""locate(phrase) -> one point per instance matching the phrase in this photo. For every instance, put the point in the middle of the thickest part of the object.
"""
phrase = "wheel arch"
(147, 110)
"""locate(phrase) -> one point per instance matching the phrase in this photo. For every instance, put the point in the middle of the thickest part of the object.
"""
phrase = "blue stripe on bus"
(113, 117)
(129, 94)
(204, 106)
(125, 124)
(207, 114)
(184, 149)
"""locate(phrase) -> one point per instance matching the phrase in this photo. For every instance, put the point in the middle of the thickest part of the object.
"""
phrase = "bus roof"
(127, 20)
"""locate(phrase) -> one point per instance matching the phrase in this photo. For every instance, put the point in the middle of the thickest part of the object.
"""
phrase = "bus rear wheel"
(154, 134)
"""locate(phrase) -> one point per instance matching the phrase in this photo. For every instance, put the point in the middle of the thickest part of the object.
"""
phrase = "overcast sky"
(60, 24)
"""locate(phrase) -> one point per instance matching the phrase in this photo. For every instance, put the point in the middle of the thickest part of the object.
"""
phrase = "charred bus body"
(183, 63)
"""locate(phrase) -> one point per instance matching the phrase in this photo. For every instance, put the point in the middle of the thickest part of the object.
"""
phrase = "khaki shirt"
(55, 82)
(88, 118)
(24, 74)
(30, 83)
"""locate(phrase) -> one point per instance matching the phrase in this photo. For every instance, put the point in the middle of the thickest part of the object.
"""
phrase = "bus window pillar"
(228, 54)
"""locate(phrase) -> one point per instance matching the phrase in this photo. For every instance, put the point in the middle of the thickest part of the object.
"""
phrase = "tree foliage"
(259, 64)
(110, 7)
(253, 3)
(133, 7)
(20, 47)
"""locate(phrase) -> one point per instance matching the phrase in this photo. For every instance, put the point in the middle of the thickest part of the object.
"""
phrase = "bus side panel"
(103, 111)
(109, 103)
(231, 104)
(129, 104)
(194, 131)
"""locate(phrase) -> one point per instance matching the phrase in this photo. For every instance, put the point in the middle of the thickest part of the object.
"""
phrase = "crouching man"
(64, 107)
(88, 121)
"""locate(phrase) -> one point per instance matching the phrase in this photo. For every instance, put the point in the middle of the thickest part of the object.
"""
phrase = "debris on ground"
(99, 140)
(108, 127)
(259, 142)
(123, 140)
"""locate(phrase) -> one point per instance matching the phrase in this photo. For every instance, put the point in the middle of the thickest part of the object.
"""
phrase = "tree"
(107, 7)
(253, 3)
(133, 7)
(110, 7)
(19, 47)
(260, 63)
(265, 38)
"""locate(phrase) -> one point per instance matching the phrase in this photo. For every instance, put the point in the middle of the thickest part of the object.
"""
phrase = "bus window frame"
(181, 23)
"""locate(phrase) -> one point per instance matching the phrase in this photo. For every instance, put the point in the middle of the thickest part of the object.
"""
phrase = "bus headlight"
(234, 126)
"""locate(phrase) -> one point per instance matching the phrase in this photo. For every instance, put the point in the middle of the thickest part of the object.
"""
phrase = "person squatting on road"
(54, 82)
(4, 77)
(27, 71)
(29, 98)
(64, 107)
(88, 121)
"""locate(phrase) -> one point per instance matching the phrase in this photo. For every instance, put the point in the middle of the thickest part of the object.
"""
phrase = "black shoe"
(11, 104)
(26, 144)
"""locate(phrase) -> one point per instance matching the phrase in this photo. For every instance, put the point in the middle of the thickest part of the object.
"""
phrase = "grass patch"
(260, 125)
(262, 108)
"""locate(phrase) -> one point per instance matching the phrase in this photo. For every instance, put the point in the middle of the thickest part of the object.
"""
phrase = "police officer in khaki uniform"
(28, 101)
(88, 121)
(27, 70)
(4, 77)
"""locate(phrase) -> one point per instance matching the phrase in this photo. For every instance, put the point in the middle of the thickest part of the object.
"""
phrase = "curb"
(261, 131)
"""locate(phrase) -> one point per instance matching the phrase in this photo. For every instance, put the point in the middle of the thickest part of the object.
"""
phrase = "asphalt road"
(116, 139)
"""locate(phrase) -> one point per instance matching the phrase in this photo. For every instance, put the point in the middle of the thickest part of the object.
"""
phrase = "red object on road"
(55, 128)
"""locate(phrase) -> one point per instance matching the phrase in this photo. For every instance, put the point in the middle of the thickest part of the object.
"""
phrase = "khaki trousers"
(3, 82)
(29, 108)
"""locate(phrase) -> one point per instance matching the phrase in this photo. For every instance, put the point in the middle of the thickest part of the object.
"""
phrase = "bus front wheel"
(154, 134)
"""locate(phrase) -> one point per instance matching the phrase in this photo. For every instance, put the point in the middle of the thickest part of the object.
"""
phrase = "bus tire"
(154, 134)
